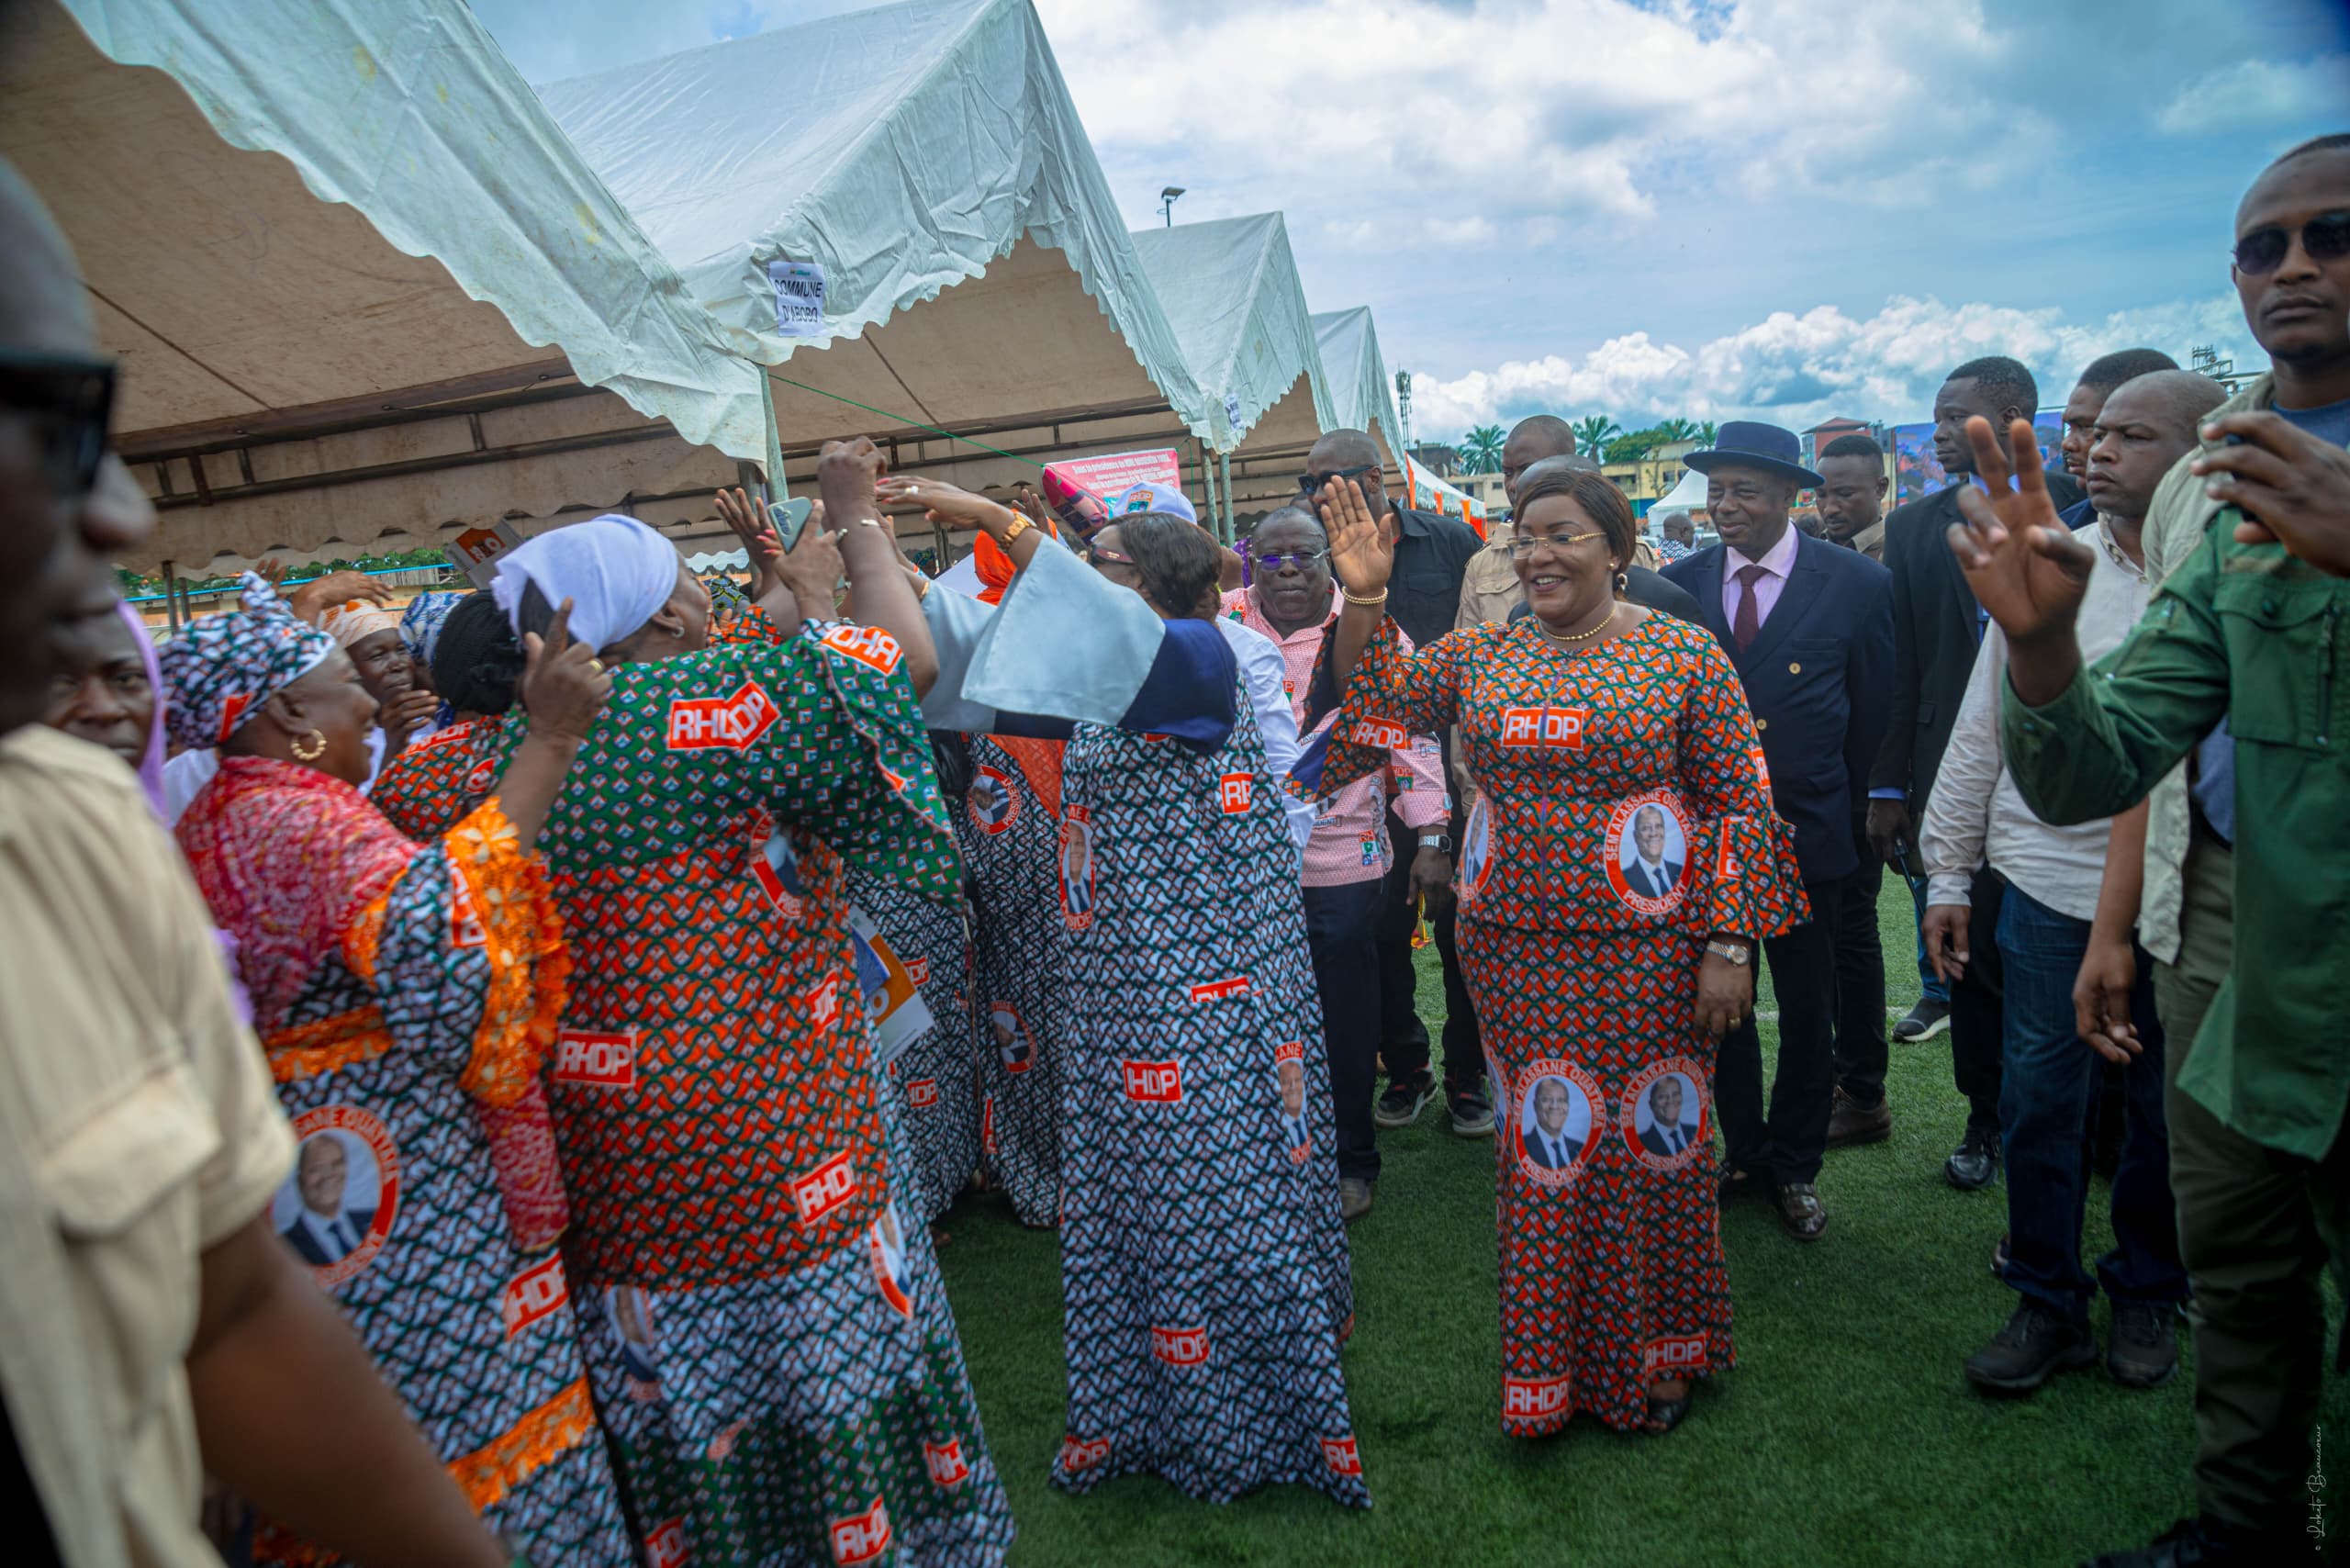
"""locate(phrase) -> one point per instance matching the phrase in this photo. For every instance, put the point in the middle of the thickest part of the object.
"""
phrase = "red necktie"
(1749, 620)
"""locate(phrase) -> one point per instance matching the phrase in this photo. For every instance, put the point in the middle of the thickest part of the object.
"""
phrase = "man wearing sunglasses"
(1432, 554)
(2243, 630)
(140, 1144)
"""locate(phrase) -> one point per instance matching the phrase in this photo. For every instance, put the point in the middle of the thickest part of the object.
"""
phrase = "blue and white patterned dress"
(1204, 1263)
(1020, 1002)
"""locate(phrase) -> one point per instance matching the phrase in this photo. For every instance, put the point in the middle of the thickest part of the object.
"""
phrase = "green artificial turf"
(1846, 1435)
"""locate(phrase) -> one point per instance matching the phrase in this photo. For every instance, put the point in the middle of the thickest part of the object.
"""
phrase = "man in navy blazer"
(1809, 628)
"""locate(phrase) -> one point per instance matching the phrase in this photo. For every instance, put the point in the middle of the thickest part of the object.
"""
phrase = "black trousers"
(1861, 1051)
(1403, 1037)
(1786, 1143)
(1340, 926)
(1977, 1033)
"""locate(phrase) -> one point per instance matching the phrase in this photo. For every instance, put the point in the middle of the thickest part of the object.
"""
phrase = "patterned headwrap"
(420, 624)
(223, 667)
(726, 595)
(617, 572)
(353, 619)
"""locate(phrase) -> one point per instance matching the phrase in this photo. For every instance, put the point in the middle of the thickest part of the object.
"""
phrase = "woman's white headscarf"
(615, 570)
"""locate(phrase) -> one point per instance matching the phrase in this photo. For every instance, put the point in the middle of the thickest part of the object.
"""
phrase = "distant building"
(1649, 478)
(1485, 490)
(1442, 461)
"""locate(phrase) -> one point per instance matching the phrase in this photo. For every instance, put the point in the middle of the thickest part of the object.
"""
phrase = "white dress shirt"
(1263, 671)
(1974, 815)
(1776, 563)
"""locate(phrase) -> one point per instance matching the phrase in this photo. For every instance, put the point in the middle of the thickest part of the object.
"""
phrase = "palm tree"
(1673, 430)
(1705, 433)
(1481, 449)
(1596, 430)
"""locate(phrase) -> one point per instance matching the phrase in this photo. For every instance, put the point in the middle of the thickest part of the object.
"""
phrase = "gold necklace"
(1606, 622)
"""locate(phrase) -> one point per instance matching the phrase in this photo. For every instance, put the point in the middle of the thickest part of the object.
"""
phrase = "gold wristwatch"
(1738, 953)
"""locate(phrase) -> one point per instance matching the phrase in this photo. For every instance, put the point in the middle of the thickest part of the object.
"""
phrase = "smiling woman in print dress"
(1623, 859)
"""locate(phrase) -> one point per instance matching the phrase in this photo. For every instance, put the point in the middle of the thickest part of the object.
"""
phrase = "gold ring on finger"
(597, 665)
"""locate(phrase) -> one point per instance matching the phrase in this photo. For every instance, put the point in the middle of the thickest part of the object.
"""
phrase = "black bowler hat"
(1743, 444)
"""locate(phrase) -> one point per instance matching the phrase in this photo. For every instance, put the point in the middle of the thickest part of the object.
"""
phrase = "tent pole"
(779, 488)
(1207, 483)
(170, 598)
(1223, 462)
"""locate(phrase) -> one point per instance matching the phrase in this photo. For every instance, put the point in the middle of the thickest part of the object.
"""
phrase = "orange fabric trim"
(1039, 762)
(529, 967)
(488, 1476)
(307, 1050)
(488, 1473)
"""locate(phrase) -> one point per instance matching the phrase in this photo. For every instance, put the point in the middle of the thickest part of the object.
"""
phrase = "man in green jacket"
(2252, 626)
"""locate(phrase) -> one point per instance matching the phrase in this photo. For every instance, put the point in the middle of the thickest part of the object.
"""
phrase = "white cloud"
(1798, 369)
(1607, 108)
(2259, 92)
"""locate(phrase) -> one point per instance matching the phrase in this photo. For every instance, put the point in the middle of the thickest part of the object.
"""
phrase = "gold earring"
(311, 748)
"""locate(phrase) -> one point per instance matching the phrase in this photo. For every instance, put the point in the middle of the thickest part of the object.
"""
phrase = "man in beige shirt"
(146, 1294)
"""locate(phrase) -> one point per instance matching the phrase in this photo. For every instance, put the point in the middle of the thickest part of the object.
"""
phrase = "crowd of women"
(580, 919)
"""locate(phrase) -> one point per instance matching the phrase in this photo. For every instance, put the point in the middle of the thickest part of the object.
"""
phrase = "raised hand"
(2292, 488)
(564, 686)
(2024, 567)
(748, 521)
(949, 504)
(813, 572)
(1361, 552)
(271, 570)
(312, 600)
(847, 474)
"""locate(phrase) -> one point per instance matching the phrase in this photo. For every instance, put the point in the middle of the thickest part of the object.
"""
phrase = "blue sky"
(1771, 208)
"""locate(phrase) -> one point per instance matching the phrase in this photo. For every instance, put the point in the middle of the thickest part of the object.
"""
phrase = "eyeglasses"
(1112, 557)
(1303, 560)
(1521, 545)
(2325, 237)
(70, 400)
(1311, 484)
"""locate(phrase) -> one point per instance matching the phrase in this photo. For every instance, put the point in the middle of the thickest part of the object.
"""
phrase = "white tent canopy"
(1358, 384)
(977, 276)
(396, 326)
(1230, 287)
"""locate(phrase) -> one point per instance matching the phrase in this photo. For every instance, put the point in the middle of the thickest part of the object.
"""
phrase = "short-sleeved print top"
(1618, 786)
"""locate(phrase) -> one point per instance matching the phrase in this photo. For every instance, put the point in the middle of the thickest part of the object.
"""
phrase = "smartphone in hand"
(787, 518)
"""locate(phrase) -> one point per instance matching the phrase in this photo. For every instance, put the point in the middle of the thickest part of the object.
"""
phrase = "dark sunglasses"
(1311, 484)
(1303, 560)
(70, 402)
(2325, 237)
(1112, 557)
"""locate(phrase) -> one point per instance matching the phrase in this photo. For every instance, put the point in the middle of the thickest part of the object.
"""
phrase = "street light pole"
(1167, 204)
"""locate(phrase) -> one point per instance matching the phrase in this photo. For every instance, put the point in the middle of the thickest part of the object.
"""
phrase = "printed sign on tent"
(1105, 476)
(799, 298)
(478, 550)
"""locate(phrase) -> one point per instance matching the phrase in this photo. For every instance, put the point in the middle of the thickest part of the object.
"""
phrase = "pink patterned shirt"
(1350, 841)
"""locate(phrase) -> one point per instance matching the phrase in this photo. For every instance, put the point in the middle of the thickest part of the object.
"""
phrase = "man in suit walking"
(1809, 627)
(1937, 626)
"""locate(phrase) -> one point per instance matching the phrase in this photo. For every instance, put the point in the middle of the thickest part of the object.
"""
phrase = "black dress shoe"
(1973, 1163)
(2035, 1343)
(2199, 1544)
(1801, 1214)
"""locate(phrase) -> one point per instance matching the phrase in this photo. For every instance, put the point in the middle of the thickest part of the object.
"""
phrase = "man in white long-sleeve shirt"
(1976, 817)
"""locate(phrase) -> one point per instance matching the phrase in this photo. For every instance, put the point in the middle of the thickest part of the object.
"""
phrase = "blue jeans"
(2049, 1083)
(1930, 984)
